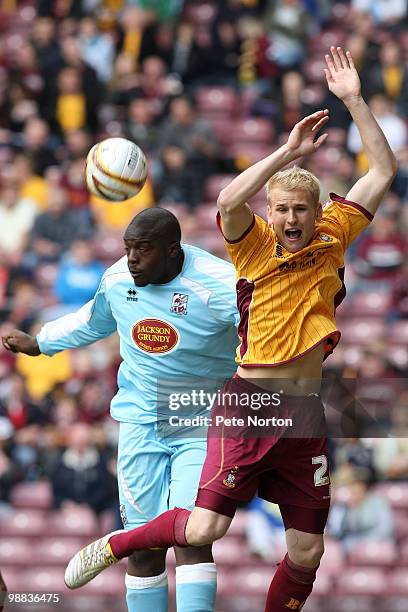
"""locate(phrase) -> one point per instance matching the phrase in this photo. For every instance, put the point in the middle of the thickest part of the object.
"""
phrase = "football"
(116, 169)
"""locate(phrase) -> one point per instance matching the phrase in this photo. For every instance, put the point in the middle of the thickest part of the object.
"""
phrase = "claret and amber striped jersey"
(286, 300)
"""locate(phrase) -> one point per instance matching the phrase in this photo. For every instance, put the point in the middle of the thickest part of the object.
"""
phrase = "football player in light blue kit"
(174, 308)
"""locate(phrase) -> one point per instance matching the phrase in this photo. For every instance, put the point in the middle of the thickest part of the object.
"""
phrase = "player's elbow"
(226, 203)
(390, 169)
(394, 167)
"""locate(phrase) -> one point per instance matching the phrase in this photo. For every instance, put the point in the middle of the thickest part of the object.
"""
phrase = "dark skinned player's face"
(148, 260)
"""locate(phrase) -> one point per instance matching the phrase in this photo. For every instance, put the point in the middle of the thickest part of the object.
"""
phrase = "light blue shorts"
(156, 474)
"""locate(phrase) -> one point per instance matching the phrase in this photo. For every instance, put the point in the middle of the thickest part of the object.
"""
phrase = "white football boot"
(90, 561)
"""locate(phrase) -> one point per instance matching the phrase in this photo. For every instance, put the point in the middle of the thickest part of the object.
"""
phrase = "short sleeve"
(252, 242)
(346, 219)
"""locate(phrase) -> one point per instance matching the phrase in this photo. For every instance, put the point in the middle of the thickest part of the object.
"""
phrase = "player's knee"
(206, 533)
(147, 563)
(307, 554)
(193, 554)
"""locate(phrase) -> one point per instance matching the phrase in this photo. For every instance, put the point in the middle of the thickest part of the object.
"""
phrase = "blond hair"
(293, 179)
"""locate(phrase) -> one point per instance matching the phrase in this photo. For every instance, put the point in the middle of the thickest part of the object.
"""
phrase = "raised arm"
(236, 215)
(343, 81)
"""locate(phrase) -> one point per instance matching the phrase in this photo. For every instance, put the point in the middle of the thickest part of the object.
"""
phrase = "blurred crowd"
(205, 88)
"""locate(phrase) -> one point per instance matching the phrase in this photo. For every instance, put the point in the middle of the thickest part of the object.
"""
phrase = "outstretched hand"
(301, 140)
(17, 341)
(341, 75)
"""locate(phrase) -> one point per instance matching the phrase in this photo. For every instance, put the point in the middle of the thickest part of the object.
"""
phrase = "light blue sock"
(147, 594)
(196, 587)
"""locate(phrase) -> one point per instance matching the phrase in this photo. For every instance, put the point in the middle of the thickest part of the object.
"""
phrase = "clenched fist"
(19, 342)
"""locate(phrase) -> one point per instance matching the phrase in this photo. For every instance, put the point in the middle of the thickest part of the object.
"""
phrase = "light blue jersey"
(184, 328)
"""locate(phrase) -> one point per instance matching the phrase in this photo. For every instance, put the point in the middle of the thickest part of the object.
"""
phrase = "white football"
(116, 169)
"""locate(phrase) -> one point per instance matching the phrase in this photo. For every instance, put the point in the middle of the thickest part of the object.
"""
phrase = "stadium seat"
(77, 522)
(398, 332)
(396, 493)
(32, 495)
(14, 551)
(223, 127)
(397, 356)
(361, 581)
(333, 559)
(214, 184)
(212, 240)
(372, 303)
(217, 101)
(229, 549)
(57, 550)
(14, 577)
(363, 331)
(401, 524)
(253, 130)
(23, 523)
(238, 603)
(383, 554)
(110, 583)
(252, 581)
(352, 604)
(398, 582)
(45, 579)
(205, 215)
(238, 524)
(394, 604)
(323, 585)
(179, 209)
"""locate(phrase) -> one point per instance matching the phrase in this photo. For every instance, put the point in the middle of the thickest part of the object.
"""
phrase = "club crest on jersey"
(155, 336)
(179, 303)
(229, 481)
(325, 237)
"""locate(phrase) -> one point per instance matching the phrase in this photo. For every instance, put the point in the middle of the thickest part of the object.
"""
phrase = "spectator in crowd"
(356, 521)
(399, 304)
(17, 216)
(81, 476)
(96, 48)
(78, 276)
(32, 186)
(178, 183)
(384, 12)
(54, 230)
(381, 253)
(17, 406)
(183, 129)
(265, 531)
(36, 143)
(288, 24)
(90, 86)
(10, 472)
(41, 374)
(141, 126)
(390, 76)
(392, 125)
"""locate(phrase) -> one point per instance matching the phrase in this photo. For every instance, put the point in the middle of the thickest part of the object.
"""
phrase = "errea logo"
(131, 295)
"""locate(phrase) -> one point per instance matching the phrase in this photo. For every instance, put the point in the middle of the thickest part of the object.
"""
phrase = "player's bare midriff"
(299, 377)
